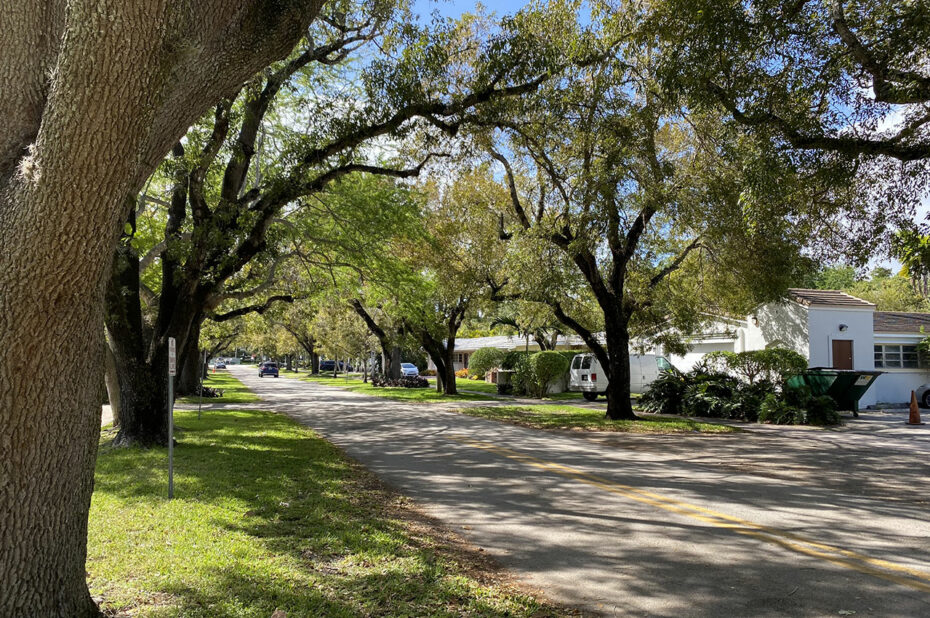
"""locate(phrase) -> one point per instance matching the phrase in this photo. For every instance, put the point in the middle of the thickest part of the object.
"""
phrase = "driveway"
(775, 522)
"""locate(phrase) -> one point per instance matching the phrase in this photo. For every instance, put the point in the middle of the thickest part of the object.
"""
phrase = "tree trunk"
(76, 140)
(393, 369)
(440, 374)
(189, 363)
(112, 381)
(449, 387)
(144, 398)
(618, 368)
(315, 363)
(142, 369)
(289, 365)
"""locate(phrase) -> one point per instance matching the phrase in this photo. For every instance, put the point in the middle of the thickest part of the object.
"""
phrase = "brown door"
(842, 354)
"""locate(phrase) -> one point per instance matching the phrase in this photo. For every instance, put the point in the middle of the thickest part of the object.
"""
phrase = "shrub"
(821, 411)
(664, 395)
(774, 364)
(779, 412)
(547, 367)
(404, 382)
(512, 359)
(749, 399)
(523, 379)
(428, 372)
(711, 395)
(484, 360)
(461, 373)
(505, 389)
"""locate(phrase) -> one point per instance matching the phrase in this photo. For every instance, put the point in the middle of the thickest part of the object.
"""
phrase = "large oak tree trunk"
(94, 95)
(618, 368)
(190, 362)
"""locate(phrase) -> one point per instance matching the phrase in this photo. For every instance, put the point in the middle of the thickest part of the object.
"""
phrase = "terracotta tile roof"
(826, 298)
(900, 322)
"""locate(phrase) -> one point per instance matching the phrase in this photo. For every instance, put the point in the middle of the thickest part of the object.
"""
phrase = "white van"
(587, 376)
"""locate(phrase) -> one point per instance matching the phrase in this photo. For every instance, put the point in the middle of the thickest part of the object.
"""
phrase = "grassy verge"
(234, 391)
(268, 516)
(571, 417)
(398, 394)
(475, 385)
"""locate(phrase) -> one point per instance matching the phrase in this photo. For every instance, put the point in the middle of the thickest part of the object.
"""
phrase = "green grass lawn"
(268, 516)
(234, 391)
(398, 394)
(571, 417)
(475, 385)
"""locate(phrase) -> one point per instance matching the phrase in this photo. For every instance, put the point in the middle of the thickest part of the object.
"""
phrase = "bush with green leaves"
(483, 360)
(523, 379)
(547, 367)
(777, 411)
(773, 364)
(512, 359)
(665, 394)
(821, 410)
(710, 392)
(711, 395)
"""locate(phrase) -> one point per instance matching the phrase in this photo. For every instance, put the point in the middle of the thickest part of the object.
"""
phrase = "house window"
(897, 357)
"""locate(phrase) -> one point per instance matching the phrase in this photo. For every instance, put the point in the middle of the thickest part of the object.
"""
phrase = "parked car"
(329, 365)
(587, 375)
(923, 395)
(220, 364)
(409, 369)
(268, 368)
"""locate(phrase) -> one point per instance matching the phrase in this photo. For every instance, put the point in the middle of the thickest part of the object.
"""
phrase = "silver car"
(409, 369)
(923, 395)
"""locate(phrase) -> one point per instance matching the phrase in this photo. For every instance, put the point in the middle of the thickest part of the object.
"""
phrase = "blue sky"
(454, 8)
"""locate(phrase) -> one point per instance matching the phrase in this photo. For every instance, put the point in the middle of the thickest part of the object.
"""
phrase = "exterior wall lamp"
(843, 328)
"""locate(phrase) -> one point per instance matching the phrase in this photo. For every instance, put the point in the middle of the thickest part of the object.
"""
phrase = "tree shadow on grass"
(267, 517)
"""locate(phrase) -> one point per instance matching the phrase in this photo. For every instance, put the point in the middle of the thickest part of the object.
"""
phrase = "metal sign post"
(172, 371)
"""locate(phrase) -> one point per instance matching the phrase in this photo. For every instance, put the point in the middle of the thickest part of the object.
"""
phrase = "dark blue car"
(268, 369)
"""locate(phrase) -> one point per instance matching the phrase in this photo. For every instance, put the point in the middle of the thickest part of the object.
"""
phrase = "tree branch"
(847, 145)
(259, 308)
(889, 85)
(676, 263)
(586, 335)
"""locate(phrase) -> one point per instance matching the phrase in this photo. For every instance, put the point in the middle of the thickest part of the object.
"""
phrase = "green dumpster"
(844, 386)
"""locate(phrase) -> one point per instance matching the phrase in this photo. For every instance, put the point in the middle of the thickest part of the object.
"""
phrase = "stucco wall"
(824, 324)
(895, 386)
(687, 361)
(784, 324)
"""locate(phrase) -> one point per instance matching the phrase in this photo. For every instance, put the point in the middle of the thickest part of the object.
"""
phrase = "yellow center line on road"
(883, 569)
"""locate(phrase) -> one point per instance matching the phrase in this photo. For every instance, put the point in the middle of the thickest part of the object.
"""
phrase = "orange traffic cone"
(914, 418)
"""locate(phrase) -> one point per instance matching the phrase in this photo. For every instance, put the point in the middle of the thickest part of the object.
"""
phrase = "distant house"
(464, 348)
(831, 329)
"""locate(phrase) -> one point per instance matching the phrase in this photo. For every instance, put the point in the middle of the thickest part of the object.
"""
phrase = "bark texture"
(94, 94)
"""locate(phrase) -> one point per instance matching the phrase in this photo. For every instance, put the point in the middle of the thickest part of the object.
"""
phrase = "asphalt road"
(777, 522)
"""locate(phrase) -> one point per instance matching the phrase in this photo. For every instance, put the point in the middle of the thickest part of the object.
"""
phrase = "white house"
(831, 329)
(465, 347)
